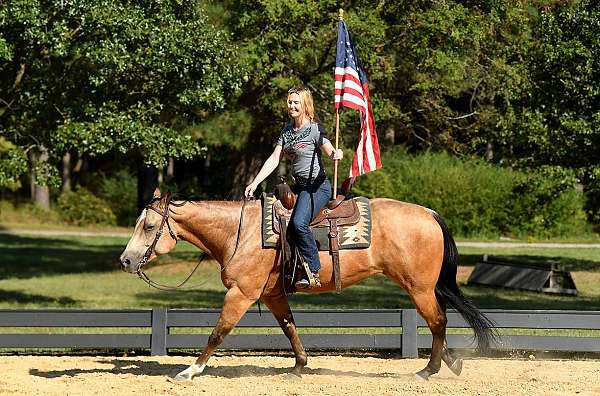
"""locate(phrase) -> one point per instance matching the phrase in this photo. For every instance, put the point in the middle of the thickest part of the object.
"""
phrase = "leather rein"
(165, 219)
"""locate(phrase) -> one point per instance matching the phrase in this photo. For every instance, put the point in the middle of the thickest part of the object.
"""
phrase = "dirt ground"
(267, 375)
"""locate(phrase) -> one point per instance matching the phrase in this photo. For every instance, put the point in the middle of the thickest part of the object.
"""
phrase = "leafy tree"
(554, 122)
(110, 76)
(285, 44)
(12, 164)
(457, 64)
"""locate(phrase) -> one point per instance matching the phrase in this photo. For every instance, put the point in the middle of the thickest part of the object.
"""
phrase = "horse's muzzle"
(126, 265)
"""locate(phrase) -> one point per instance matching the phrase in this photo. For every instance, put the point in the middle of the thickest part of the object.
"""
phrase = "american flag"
(352, 90)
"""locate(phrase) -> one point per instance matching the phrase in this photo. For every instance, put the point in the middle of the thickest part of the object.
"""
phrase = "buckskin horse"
(410, 244)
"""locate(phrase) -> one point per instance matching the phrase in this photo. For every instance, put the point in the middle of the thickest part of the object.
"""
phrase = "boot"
(312, 281)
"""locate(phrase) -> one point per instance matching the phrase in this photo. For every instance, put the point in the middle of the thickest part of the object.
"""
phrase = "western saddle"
(339, 212)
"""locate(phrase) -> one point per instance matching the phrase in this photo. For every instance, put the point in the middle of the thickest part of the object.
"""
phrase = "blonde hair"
(306, 100)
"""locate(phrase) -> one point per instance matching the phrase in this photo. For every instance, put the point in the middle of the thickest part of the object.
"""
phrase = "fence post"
(158, 338)
(409, 333)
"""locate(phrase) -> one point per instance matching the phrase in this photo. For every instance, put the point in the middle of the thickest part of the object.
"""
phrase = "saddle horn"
(285, 194)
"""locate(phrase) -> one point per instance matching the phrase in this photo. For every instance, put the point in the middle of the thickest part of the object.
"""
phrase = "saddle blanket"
(356, 236)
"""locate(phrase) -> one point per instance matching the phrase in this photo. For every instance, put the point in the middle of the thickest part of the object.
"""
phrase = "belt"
(305, 181)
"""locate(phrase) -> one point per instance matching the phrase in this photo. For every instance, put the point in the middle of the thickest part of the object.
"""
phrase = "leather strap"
(335, 254)
(285, 257)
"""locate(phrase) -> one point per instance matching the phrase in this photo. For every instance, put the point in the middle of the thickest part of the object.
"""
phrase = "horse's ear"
(156, 194)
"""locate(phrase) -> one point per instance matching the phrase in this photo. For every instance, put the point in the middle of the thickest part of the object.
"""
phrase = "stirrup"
(313, 282)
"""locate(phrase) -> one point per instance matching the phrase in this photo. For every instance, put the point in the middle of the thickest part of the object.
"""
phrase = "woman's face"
(295, 109)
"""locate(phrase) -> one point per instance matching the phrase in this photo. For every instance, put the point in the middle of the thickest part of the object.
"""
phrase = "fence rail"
(405, 337)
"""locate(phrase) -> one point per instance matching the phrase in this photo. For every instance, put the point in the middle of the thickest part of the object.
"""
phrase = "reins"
(165, 219)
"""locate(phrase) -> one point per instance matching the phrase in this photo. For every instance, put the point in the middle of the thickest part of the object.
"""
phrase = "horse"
(410, 244)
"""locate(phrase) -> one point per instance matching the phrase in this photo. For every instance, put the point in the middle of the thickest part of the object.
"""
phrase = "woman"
(302, 140)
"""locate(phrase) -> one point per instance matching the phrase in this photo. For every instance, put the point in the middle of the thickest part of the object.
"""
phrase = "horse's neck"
(210, 225)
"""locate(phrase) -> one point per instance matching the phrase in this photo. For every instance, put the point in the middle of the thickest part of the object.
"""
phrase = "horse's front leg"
(279, 306)
(235, 306)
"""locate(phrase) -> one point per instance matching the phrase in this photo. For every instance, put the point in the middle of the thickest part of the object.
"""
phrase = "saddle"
(342, 213)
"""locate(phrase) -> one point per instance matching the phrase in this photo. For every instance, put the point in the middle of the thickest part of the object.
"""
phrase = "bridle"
(165, 219)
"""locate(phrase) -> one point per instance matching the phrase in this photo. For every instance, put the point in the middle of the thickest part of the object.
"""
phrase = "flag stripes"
(352, 91)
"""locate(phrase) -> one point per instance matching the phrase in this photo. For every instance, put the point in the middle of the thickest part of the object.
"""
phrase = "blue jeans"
(311, 199)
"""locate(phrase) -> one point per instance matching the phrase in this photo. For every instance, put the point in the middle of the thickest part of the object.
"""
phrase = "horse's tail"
(447, 291)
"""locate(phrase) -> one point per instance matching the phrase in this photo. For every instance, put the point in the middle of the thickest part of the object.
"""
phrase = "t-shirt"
(303, 148)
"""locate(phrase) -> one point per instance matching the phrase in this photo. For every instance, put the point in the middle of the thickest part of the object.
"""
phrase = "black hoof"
(456, 367)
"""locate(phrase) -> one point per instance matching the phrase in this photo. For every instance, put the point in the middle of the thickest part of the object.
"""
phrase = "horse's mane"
(170, 198)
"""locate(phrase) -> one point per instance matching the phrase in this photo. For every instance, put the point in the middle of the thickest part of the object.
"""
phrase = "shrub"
(479, 199)
(120, 191)
(81, 207)
(548, 204)
(27, 213)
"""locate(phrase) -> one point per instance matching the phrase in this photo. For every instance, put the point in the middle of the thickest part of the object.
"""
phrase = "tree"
(554, 122)
(12, 164)
(94, 77)
(285, 44)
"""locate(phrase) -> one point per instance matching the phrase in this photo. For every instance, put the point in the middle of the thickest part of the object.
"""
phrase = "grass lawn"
(82, 272)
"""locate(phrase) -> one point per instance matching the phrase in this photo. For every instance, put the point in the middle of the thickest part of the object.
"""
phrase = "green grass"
(82, 272)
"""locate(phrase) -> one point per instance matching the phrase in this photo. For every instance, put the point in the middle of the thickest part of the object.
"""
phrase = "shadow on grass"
(149, 368)
(24, 257)
(504, 298)
(9, 296)
(567, 263)
(182, 299)
(29, 257)
(507, 298)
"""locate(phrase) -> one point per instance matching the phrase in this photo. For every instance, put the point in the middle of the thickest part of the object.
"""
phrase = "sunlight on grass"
(83, 272)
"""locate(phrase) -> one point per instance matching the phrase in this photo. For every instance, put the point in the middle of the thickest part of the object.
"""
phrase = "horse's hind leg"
(454, 364)
(280, 308)
(429, 308)
(234, 307)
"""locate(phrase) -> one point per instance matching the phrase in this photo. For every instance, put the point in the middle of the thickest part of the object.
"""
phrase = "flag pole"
(337, 136)
(335, 162)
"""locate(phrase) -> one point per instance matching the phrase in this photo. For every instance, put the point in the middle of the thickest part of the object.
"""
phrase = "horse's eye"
(148, 227)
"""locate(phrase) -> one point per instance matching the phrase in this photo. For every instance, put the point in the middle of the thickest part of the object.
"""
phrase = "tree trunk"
(40, 195)
(161, 176)
(206, 172)
(66, 172)
(489, 152)
(147, 181)
(170, 169)
(389, 138)
(78, 165)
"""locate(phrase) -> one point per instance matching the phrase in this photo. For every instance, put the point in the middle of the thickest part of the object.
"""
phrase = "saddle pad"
(356, 236)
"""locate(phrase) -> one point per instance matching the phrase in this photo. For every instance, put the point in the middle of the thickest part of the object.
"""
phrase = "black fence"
(402, 325)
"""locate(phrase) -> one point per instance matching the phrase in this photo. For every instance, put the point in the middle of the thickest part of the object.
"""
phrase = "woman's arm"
(268, 167)
(331, 152)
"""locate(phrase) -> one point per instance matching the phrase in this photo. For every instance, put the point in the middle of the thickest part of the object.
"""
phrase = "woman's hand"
(250, 190)
(337, 154)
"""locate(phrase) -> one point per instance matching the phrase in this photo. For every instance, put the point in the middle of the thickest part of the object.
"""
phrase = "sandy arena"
(266, 375)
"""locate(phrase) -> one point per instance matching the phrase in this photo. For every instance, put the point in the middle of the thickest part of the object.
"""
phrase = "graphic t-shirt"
(303, 148)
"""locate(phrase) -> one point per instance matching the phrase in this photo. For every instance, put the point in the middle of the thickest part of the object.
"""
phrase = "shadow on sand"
(141, 367)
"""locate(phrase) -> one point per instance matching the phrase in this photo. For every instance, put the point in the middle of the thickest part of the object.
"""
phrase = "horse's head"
(152, 236)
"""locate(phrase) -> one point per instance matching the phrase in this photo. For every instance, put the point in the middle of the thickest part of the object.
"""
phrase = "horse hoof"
(183, 376)
(456, 367)
(422, 375)
(293, 376)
